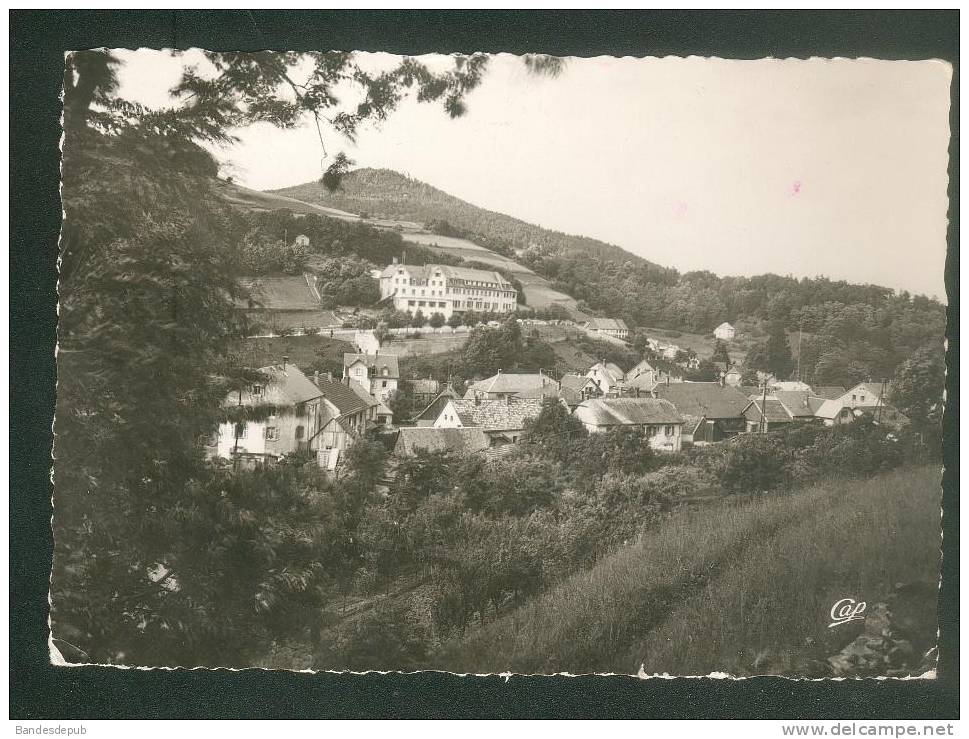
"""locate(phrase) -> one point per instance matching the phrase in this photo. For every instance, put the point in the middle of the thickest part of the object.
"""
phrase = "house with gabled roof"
(503, 420)
(284, 409)
(661, 424)
(607, 376)
(432, 410)
(378, 373)
(724, 332)
(766, 414)
(720, 408)
(506, 384)
(422, 391)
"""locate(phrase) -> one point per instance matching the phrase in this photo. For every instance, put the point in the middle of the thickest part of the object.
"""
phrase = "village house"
(864, 398)
(802, 405)
(377, 412)
(459, 441)
(718, 410)
(607, 376)
(614, 327)
(661, 424)
(503, 420)
(438, 288)
(724, 332)
(506, 384)
(292, 412)
(378, 373)
(576, 388)
(432, 410)
(346, 416)
(766, 414)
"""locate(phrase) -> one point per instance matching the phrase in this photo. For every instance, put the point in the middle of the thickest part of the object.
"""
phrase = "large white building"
(438, 288)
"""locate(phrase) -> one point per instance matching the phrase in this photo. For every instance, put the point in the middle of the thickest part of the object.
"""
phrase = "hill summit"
(386, 194)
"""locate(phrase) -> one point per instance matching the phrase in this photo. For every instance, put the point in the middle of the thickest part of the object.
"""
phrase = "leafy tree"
(917, 389)
(720, 352)
(418, 321)
(437, 320)
(779, 360)
(454, 320)
(553, 431)
(753, 463)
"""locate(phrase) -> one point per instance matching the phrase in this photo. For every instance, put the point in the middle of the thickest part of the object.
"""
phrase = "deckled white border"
(58, 660)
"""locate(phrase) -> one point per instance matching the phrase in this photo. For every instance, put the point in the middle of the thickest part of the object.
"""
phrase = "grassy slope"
(388, 194)
(717, 585)
(303, 351)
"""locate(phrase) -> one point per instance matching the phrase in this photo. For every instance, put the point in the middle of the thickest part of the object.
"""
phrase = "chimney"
(477, 398)
(285, 360)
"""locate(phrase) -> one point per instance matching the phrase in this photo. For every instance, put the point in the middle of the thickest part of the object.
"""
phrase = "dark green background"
(38, 41)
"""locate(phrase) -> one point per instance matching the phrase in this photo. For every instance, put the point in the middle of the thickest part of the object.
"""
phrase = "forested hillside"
(383, 193)
(851, 332)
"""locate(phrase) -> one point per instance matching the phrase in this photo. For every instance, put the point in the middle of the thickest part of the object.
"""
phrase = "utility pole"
(799, 327)
(763, 410)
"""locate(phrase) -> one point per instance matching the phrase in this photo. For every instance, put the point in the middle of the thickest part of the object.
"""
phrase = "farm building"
(506, 384)
(614, 327)
(461, 441)
(503, 420)
(658, 419)
(721, 408)
(724, 332)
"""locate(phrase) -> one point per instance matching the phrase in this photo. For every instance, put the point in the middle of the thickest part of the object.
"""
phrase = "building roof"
(574, 382)
(723, 325)
(627, 412)
(375, 362)
(424, 387)
(460, 441)
(799, 403)
(434, 408)
(362, 393)
(510, 382)
(495, 415)
(607, 324)
(342, 396)
(457, 274)
(708, 399)
(830, 409)
(612, 370)
(773, 410)
(828, 392)
(291, 385)
(642, 382)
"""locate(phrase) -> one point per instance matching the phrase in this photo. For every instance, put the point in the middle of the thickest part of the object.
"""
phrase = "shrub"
(753, 463)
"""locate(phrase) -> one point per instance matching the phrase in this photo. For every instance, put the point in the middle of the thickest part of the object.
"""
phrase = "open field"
(719, 587)
(303, 351)
(256, 200)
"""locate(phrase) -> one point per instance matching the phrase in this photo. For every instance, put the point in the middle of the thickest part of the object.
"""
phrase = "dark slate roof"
(377, 361)
(799, 403)
(507, 413)
(455, 274)
(708, 399)
(627, 412)
(342, 396)
(573, 382)
(774, 411)
(434, 408)
(828, 392)
(460, 441)
(608, 324)
(424, 387)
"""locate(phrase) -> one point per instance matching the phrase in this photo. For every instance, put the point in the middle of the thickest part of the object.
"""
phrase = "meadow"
(739, 587)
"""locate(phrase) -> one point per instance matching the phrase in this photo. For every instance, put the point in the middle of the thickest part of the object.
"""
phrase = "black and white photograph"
(493, 363)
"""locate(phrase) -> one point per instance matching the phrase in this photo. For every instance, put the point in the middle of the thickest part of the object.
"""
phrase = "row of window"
(460, 291)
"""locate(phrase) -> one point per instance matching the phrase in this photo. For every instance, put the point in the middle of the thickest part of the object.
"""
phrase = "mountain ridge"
(388, 194)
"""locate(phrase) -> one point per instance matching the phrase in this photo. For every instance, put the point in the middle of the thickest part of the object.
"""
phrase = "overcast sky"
(806, 168)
